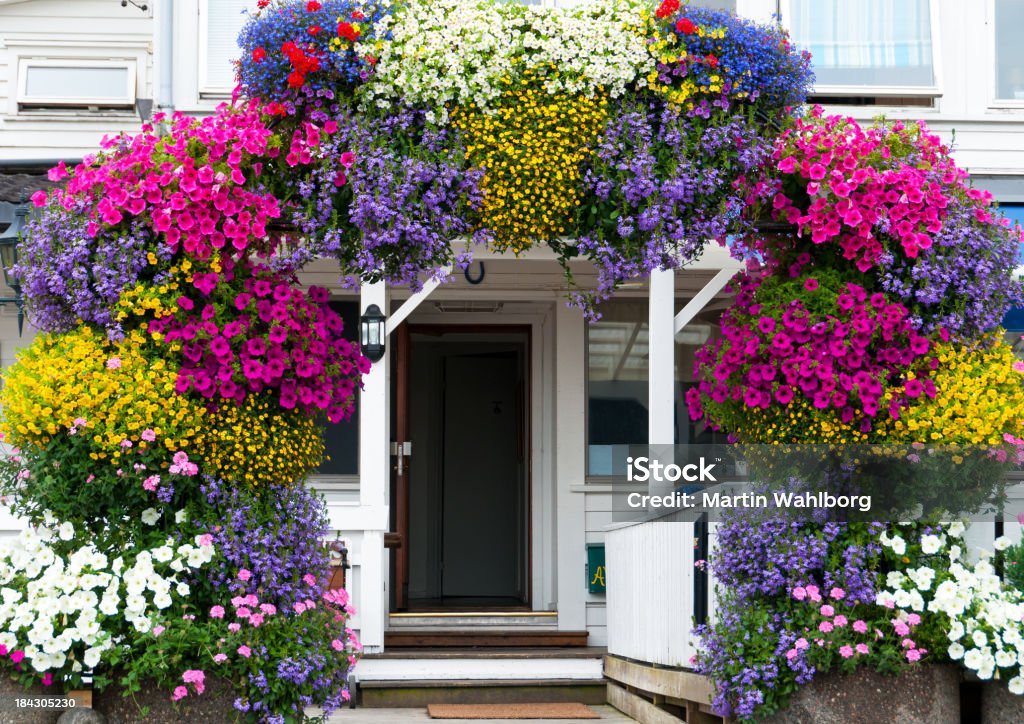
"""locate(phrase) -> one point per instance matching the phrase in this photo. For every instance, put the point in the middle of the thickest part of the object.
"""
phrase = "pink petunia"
(244, 651)
(846, 651)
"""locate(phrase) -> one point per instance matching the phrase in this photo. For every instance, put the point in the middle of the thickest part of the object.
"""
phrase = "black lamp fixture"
(9, 258)
(372, 333)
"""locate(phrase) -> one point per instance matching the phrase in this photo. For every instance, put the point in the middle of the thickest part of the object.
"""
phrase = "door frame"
(400, 483)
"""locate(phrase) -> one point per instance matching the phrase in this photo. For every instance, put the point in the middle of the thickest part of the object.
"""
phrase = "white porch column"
(661, 358)
(374, 478)
(570, 465)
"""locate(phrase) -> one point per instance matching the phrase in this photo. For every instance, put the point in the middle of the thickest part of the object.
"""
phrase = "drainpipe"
(163, 58)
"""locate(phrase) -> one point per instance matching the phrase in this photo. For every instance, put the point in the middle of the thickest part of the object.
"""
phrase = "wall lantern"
(371, 333)
(9, 258)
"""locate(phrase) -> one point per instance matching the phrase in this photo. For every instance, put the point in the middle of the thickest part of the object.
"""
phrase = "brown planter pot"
(999, 706)
(215, 705)
(919, 695)
(9, 688)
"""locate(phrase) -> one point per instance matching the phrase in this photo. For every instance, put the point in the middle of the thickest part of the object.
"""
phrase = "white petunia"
(150, 516)
(1016, 685)
(930, 544)
(1002, 543)
(956, 651)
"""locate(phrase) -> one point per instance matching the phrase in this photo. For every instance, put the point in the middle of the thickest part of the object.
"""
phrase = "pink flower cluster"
(195, 677)
(261, 332)
(196, 186)
(844, 360)
(860, 191)
(190, 184)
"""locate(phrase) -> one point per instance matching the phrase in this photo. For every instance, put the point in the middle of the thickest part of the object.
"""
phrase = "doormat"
(511, 711)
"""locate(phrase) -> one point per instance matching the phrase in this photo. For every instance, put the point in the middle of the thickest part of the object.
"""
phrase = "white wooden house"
(479, 468)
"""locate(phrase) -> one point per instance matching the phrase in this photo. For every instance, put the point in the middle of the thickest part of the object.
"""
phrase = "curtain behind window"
(866, 42)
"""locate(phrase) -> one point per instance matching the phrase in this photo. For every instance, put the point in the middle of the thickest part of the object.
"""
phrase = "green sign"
(595, 568)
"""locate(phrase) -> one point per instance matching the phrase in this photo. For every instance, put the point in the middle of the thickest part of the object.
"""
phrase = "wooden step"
(421, 637)
(378, 694)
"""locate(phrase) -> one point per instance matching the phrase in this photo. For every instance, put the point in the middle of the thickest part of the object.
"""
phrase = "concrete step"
(573, 652)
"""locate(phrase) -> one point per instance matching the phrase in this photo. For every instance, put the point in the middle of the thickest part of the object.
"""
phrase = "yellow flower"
(532, 146)
(116, 387)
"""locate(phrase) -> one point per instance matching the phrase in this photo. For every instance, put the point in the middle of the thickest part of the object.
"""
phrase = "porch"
(429, 539)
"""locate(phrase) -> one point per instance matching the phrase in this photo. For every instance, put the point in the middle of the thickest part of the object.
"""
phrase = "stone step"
(541, 620)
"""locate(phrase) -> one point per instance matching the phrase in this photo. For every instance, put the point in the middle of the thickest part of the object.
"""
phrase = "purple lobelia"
(663, 181)
(67, 275)
(964, 282)
(404, 199)
(275, 533)
(760, 558)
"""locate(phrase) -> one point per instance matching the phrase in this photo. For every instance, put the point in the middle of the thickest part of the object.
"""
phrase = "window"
(49, 82)
(617, 394)
(219, 25)
(878, 44)
(342, 439)
(1009, 17)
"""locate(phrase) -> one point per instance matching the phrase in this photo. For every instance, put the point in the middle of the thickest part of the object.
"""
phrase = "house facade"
(474, 487)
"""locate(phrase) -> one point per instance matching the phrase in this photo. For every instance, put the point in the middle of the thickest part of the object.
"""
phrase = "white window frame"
(205, 90)
(994, 101)
(25, 62)
(932, 91)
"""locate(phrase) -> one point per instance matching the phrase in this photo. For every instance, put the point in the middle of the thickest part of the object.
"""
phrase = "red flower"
(258, 55)
(711, 60)
(356, 15)
(666, 8)
(684, 26)
(262, 4)
(313, 29)
(312, 6)
(348, 31)
(296, 79)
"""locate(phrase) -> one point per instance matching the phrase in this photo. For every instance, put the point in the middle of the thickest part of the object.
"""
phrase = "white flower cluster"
(56, 610)
(452, 51)
(985, 626)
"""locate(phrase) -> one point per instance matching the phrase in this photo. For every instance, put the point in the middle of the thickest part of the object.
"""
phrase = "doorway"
(467, 487)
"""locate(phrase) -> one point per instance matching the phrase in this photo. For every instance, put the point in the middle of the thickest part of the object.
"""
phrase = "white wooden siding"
(68, 29)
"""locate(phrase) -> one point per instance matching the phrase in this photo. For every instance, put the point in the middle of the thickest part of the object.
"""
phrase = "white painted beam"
(410, 304)
(702, 298)
(374, 480)
(661, 347)
(570, 466)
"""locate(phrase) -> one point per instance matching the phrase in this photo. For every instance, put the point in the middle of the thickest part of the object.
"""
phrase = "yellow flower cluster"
(532, 148)
(148, 301)
(979, 398)
(116, 387)
(798, 423)
(260, 442)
